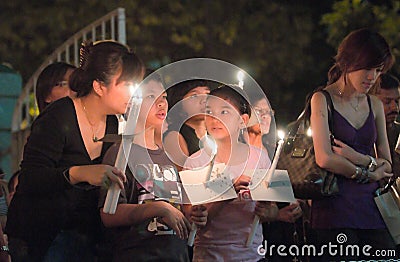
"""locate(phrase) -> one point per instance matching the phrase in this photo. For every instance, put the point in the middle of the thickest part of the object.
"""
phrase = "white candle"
(110, 205)
(278, 151)
(240, 77)
(270, 173)
(210, 144)
(192, 234)
(254, 226)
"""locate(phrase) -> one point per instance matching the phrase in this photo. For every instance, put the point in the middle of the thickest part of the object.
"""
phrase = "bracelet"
(364, 178)
(357, 173)
(372, 165)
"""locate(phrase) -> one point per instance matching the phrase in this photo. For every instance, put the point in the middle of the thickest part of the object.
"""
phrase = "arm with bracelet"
(366, 166)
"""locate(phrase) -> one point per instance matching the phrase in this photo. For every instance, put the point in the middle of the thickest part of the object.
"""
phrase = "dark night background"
(286, 45)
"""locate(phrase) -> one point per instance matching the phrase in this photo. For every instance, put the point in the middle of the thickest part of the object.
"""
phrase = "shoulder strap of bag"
(329, 104)
(299, 126)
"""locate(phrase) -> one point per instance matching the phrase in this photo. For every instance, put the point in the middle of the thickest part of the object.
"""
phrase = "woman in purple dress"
(351, 218)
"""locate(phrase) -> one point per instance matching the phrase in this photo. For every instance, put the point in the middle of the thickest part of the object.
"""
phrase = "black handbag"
(309, 181)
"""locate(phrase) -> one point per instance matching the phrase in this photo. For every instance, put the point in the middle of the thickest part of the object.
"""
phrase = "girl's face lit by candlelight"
(223, 120)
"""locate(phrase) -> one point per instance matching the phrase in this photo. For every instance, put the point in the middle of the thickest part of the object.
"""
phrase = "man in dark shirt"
(388, 92)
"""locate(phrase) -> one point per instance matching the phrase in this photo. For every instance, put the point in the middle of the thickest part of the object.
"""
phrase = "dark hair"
(151, 75)
(388, 81)
(361, 49)
(235, 95)
(176, 93)
(101, 61)
(48, 78)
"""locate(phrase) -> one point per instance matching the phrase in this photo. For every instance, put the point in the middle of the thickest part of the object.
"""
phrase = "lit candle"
(278, 151)
(210, 144)
(110, 205)
(240, 77)
(270, 173)
(192, 235)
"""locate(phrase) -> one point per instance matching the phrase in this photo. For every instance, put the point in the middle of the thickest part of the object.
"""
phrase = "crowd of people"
(55, 203)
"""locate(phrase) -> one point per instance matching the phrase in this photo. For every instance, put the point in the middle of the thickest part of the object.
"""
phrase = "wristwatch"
(4, 248)
(372, 165)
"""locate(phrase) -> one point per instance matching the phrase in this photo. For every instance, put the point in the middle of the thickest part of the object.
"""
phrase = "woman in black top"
(53, 215)
(185, 119)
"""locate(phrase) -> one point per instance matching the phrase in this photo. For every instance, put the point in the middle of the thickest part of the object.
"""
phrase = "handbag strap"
(299, 125)
(329, 104)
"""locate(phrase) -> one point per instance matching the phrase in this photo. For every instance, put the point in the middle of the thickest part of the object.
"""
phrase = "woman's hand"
(198, 215)
(97, 175)
(379, 174)
(267, 211)
(174, 218)
(241, 183)
(345, 151)
(290, 213)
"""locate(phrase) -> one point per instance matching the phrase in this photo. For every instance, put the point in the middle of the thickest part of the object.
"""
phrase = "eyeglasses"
(62, 84)
(264, 112)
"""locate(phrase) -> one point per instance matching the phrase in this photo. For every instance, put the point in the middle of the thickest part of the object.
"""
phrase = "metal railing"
(110, 26)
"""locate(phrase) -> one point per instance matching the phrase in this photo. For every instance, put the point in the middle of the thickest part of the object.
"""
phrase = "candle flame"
(133, 88)
(281, 134)
(309, 132)
(240, 76)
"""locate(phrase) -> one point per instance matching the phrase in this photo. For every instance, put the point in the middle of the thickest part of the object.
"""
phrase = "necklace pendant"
(95, 139)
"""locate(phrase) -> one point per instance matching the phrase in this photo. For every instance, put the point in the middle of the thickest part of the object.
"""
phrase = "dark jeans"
(353, 244)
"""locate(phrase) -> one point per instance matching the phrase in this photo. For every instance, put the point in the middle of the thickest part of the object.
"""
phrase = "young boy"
(148, 225)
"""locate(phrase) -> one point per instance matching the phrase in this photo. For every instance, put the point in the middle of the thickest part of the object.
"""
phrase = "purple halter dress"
(354, 206)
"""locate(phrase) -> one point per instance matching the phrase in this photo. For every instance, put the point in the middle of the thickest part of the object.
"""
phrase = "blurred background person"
(53, 84)
(286, 229)
(259, 134)
(388, 92)
(4, 199)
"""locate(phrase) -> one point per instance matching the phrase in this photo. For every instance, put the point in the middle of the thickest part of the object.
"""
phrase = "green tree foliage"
(382, 16)
(279, 43)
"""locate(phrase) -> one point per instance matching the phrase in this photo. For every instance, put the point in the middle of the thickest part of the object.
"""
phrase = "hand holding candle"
(208, 143)
(198, 215)
(270, 173)
(192, 235)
